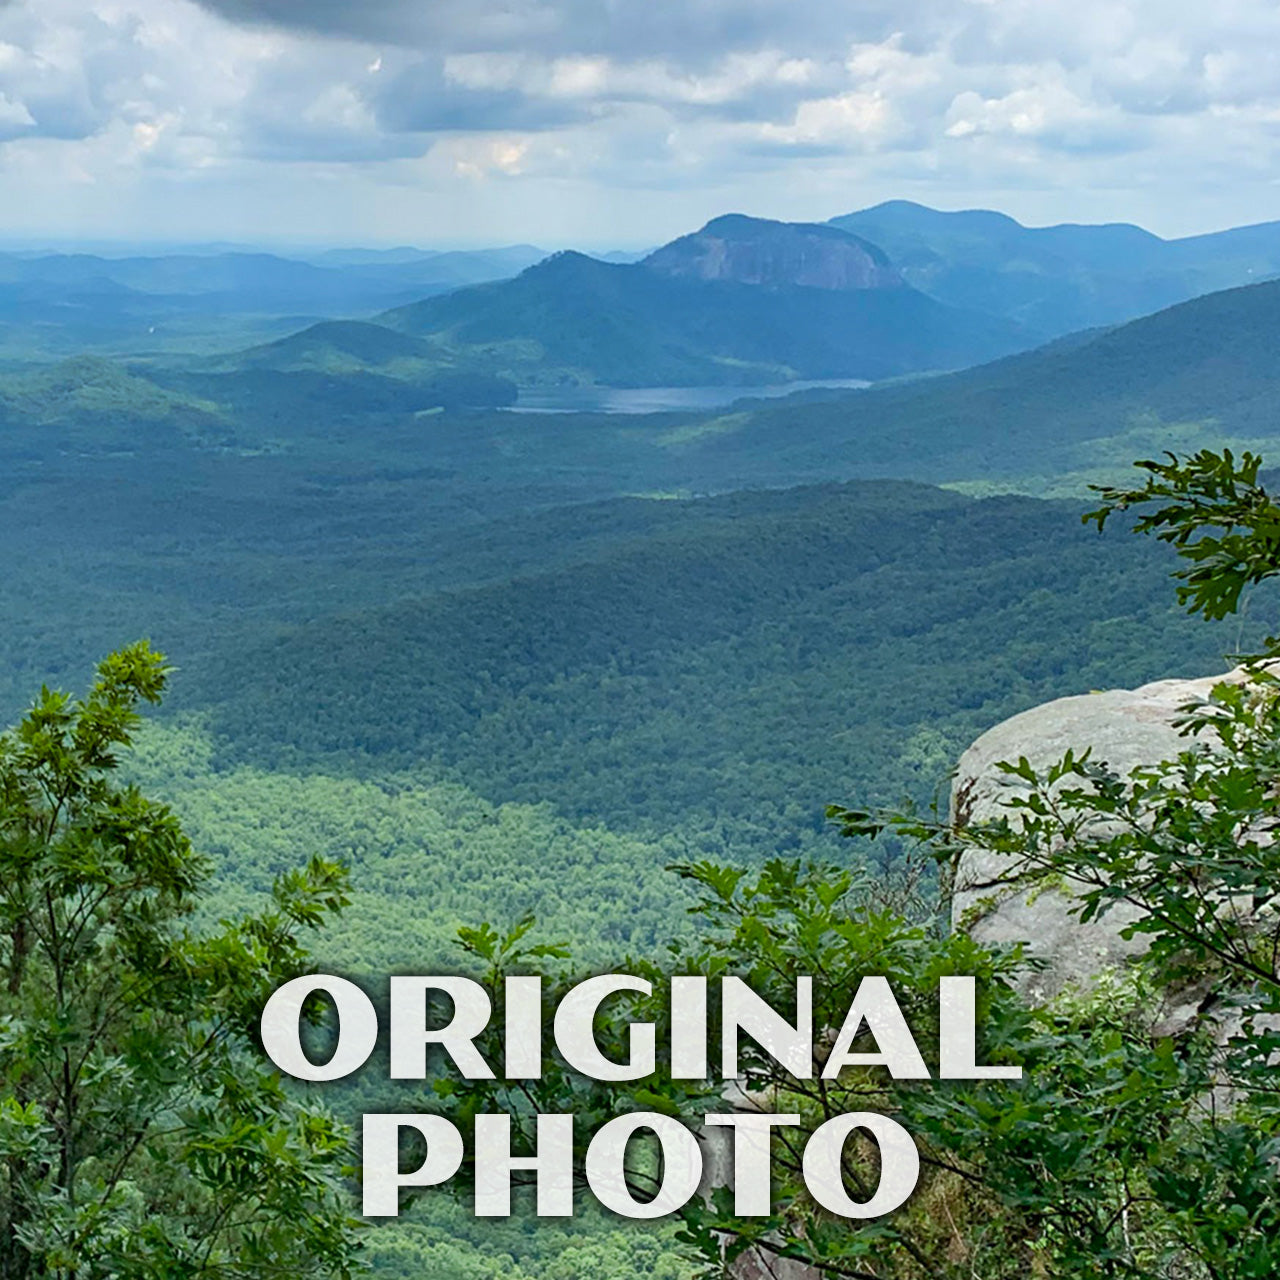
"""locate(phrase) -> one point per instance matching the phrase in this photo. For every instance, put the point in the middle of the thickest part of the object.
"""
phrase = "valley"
(812, 525)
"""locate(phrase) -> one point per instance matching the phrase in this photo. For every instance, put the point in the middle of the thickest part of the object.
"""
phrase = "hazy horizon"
(124, 246)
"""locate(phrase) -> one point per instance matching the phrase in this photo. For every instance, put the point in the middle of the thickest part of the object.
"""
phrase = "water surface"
(661, 399)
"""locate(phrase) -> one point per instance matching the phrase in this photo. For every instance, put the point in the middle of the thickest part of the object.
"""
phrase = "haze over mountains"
(65, 302)
(898, 288)
(1056, 279)
(1047, 420)
(892, 290)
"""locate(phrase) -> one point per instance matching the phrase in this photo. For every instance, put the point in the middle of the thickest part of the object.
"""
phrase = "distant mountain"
(333, 373)
(96, 405)
(776, 255)
(333, 345)
(457, 267)
(1062, 278)
(342, 369)
(743, 301)
(372, 257)
(1046, 421)
(137, 304)
(347, 278)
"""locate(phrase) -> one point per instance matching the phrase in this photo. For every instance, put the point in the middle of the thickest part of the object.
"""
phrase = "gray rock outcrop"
(1125, 728)
(759, 252)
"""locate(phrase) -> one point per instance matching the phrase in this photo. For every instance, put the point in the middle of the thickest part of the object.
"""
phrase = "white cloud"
(847, 119)
(15, 119)
(1049, 112)
(787, 107)
(484, 158)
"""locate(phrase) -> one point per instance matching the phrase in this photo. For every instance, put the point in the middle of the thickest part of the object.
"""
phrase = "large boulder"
(1125, 728)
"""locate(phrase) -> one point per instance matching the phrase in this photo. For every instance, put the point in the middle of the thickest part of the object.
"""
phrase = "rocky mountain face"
(740, 302)
(1126, 729)
(756, 251)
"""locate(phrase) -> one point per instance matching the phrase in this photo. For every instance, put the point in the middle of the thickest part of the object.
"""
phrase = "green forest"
(431, 664)
(143, 1135)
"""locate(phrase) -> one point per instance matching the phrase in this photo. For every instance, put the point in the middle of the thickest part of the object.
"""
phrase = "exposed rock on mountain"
(775, 255)
(1126, 728)
(742, 302)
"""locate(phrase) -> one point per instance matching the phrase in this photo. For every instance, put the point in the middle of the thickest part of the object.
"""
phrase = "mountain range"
(891, 290)
(70, 302)
(895, 289)
(740, 302)
(1056, 279)
(743, 301)
(1048, 421)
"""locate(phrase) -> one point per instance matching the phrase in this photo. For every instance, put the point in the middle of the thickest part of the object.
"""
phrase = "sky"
(622, 123)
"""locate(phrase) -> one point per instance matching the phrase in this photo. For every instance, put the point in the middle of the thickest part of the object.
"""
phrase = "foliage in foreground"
(140, 1135)
(1138, 1144)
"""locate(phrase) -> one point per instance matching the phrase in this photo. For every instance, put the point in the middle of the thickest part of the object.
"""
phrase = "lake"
(661, 399)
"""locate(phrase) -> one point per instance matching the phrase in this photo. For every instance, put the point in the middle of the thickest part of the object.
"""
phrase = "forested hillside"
(702, 674)
(728, 672)
(745, 301)
(1047, 421)
(660, 680)
(480, 655)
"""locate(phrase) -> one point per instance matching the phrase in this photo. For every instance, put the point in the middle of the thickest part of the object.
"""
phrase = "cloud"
(1048, 113)
(684, 31)
(401, 21)
(772, 105)
(429, 95)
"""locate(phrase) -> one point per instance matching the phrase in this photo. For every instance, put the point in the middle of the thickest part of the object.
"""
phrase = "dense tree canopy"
(1134, 1145)
(140, 1135)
